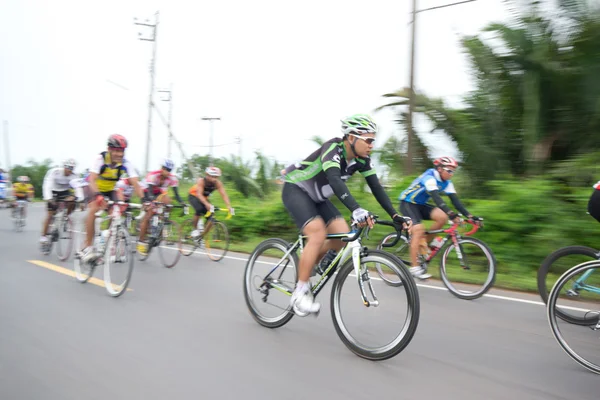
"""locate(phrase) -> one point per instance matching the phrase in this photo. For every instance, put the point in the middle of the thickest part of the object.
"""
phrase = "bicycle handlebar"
(387, 223)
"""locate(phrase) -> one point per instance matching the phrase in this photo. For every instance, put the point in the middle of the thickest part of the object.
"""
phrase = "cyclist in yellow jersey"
(23, 190)
(108, 168)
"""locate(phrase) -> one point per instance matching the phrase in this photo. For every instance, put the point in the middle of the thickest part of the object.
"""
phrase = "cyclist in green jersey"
(309, 184)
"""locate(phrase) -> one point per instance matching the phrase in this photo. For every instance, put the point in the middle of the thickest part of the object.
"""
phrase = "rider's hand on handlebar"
(363, 218)
(404, 222)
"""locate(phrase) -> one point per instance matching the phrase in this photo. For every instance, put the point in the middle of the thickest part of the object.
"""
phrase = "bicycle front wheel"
(170, 248)
(585, 301)
(360, 329)
(555, 265)
(471, 271)
(118, 263)
(216, 241)
(64, 244)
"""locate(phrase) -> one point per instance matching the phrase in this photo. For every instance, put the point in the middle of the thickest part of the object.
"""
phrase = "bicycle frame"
(451, 233)
(580, 284)
(352, 248)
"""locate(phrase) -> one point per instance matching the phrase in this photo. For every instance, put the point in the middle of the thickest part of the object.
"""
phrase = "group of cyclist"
(113, 177)
(308, 186)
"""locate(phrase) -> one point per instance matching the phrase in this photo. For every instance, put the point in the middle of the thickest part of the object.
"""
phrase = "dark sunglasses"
(450, 171)
(166, 169)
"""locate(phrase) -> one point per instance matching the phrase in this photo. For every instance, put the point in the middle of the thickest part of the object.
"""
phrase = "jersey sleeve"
(97, 164)
(174, 181)
(131, 171)
(450, 189)
(48, 184)
(430, 183)
(330, 157)
(368, 169)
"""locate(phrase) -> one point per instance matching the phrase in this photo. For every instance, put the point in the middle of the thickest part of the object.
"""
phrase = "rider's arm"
(48, 185)
(221, 189)
(450, 190)
(176, 193)
(339, 188)
(135, 182)
(459, 206)
(435, 195)
(200, 194)
(380, 194)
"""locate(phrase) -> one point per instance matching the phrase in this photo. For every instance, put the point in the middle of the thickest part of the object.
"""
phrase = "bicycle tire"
(187, 226)
(162, 251)
(217, 226)
(491, 278)
(80, 274)
(384, 277)
(64, 256)
(546, 267)
(413, 303)
(110, 288)
(551, 313)
(287, 315)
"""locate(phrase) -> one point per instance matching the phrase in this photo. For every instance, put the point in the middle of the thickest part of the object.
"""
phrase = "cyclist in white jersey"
(57, 187)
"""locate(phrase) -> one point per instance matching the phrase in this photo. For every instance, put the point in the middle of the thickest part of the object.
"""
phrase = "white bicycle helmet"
(213, 171)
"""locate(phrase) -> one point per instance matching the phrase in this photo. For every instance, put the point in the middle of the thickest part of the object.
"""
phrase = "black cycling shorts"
(594, 205)
(303, 209)
(198, 205)
(56, 197)
(417, 212)
(89, 196)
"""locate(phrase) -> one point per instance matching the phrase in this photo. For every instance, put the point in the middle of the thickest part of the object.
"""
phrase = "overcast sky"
(276, 72)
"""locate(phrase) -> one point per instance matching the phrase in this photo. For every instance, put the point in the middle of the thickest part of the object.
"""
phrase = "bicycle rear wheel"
(64, 244)
(83, 271)
(118, 263)
(217, 241)
(169, 254)
(584, 348)
(188, 243)
(402, 251)
(270, 278)
(401, 301)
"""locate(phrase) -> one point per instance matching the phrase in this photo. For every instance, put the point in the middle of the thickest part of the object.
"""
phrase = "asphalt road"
(185, 333)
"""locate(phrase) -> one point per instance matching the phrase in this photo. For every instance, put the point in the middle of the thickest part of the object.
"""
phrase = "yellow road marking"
(65, 271)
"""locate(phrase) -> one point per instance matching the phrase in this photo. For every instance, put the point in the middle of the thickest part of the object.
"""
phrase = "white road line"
(493, 296)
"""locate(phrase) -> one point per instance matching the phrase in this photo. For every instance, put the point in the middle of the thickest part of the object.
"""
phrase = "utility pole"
(211, 119)
(152, 74)
(412, 100)
(170, 121)
(183, 155)
(6, 147)
(238, 140)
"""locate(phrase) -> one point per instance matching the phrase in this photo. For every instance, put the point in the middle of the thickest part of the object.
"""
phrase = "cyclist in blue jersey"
(413, 204)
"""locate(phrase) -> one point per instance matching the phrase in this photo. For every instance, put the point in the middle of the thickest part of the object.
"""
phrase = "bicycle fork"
(362, 274)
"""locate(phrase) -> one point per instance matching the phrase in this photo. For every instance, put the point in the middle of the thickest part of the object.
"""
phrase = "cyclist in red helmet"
(413, 204)
(106, 171)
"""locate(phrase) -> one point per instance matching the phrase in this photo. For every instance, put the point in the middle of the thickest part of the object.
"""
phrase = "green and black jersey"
(324, 172)
(311, 175)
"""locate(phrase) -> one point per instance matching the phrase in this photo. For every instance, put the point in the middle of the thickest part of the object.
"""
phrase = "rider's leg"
(440, 219)
(306, 216)
(417, 236)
